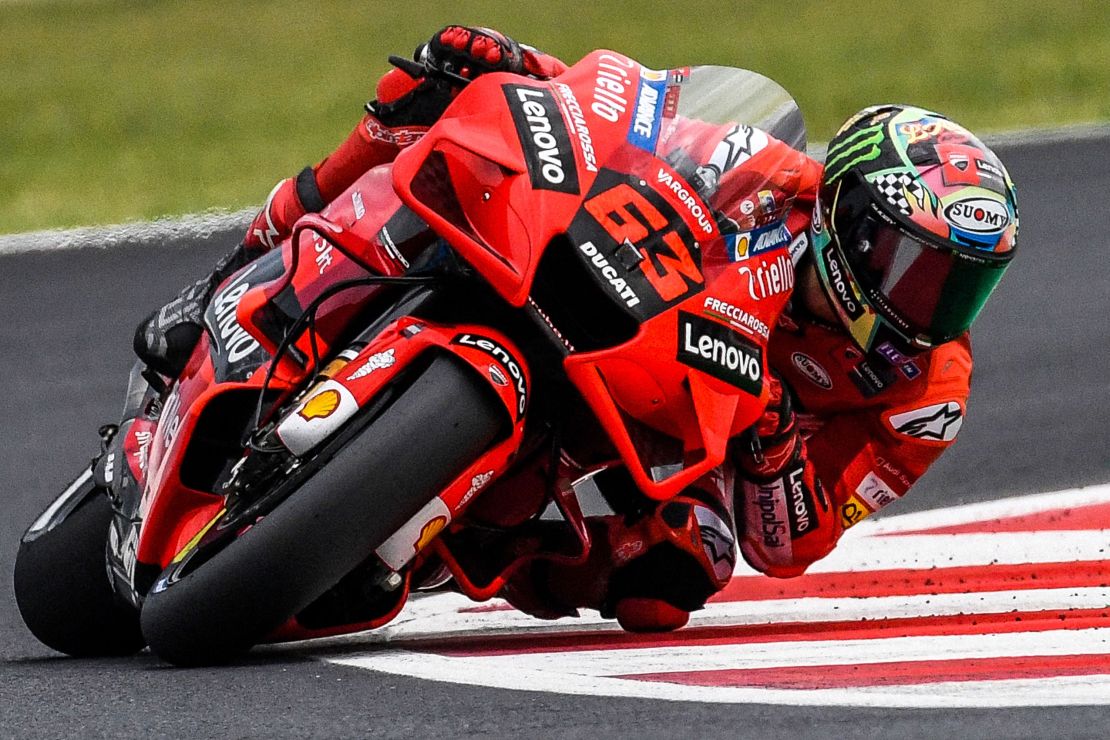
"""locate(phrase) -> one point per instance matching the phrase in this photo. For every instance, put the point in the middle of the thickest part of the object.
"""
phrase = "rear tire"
(331, 524)
(62, 587)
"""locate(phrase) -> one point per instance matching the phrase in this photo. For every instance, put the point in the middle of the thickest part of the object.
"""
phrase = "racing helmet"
(915, 222)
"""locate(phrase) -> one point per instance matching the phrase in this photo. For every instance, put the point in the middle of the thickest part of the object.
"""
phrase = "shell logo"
(429, 531)
(320, 406)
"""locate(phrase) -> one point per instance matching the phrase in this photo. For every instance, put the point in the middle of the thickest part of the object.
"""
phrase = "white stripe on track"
(802, 653)
(439, 616)
(1019, 693)
(986, 510)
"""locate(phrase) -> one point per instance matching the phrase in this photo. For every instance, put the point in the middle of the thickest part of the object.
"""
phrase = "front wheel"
(445, 419)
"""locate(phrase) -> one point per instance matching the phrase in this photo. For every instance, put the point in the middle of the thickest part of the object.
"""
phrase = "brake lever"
(416, 69)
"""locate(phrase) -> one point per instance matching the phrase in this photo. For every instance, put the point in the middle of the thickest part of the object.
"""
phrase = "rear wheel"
(62, 587)
(328, 526)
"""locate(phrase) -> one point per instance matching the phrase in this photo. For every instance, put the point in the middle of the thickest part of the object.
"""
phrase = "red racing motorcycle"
(447, 353)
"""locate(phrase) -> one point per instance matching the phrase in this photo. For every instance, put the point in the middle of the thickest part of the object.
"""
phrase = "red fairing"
(564, 149)
(172, 511)
(478, 145)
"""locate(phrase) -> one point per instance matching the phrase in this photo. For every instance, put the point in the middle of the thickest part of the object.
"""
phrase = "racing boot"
(165, 339)
(648, 571)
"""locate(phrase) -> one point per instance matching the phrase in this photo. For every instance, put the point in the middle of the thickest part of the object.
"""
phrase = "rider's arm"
(405, 106)
(798, 501)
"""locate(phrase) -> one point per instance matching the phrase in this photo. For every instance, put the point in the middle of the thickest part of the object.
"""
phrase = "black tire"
(330, 525)
(63, 592)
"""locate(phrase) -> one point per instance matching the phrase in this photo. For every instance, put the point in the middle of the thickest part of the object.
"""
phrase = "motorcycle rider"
(897, 242)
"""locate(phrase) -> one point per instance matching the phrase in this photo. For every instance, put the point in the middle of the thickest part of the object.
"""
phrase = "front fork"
(364, 373)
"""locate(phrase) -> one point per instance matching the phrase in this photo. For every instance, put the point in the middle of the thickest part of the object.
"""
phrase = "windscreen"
(727, 95)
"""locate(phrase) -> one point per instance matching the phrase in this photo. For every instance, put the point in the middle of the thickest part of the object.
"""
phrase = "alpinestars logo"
(939, 422)
(719, 351)
(544, 138)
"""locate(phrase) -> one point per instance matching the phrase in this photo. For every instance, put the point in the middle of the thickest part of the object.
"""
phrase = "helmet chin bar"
(845, 301)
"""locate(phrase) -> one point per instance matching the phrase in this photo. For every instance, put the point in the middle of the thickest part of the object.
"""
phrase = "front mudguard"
(332, 403)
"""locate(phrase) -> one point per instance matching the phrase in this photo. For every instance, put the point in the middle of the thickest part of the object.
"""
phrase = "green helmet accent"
(920, 221)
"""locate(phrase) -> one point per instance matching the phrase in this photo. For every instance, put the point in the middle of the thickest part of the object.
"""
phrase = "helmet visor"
(931, 295)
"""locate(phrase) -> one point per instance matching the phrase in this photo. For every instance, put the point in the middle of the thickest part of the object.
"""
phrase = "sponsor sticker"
(610, 273)
(377, 361)
(477, 483)
(875, 491)
(842, 290)
(320, 406)
(910, 370)
(323, 253)
(693, 204)
(497, 376)
(853, 511)
(798, 247)
(769, 279)
(415, 534)
(644, 130)
(717, 541)
(717, 350)
(978, 215)
(765, 518)
(736, 316)
(543, 136)
(142, 452)
(799, 509)
(578, 121)
(871, 380)
(940, 422)
(506, 359)
(318, 416)
(610, 97)
(770, 237)
(231, 339)
(812, 370)
(739, 145)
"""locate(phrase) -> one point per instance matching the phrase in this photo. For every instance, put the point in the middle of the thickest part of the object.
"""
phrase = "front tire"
(62, 587)
(331, 524)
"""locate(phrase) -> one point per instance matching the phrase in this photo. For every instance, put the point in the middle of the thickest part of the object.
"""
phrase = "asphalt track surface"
(1036, 423)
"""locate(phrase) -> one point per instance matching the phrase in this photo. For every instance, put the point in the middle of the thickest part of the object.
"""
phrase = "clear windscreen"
(727, 95)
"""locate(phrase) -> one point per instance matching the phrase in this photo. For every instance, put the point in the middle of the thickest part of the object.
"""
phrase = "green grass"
(114, 110)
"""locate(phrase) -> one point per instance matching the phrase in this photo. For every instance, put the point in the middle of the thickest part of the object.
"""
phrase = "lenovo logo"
(719, 351)
(543, 136)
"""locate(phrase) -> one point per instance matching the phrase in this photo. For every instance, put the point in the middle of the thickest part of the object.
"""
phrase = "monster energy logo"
(862, 146)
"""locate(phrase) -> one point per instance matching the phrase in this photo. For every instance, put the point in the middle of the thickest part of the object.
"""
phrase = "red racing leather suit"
(866, 427)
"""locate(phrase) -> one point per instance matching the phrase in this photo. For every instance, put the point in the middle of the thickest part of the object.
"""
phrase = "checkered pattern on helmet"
(893, 186)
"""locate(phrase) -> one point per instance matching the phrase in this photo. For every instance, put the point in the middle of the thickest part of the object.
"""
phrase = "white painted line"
(1093, 690)
(801, 653)
(440, 616)
(986, 510)
(150, 233)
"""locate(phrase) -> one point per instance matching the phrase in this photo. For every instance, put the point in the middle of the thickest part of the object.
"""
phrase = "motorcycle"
(448, 353)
